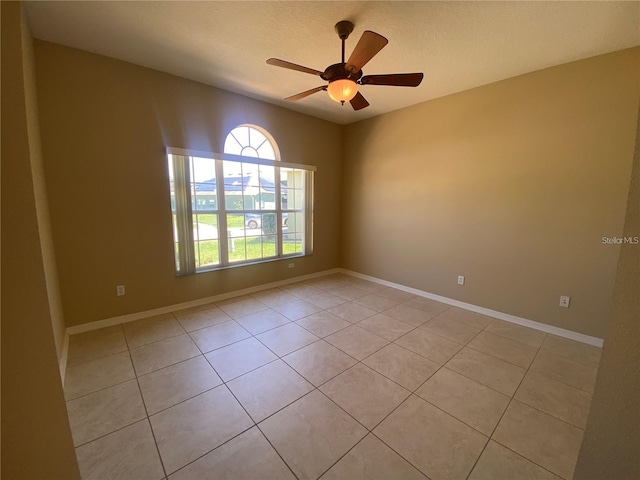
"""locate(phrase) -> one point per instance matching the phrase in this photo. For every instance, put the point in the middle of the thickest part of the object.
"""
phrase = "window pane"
(203, 170)
(237, 249)
(235, 224)
(209, 253)
(269, 246)
(266, 151)
(204, 197)
(269, 223)
(288, 248)
(267, 187)
(254, 247)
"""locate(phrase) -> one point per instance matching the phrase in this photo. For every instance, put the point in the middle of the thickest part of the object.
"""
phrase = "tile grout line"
(144, 404)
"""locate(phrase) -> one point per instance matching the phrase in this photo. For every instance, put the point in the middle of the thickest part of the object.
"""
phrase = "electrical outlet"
(291, 265)
(120, 290)
(564, 301)
(460, 279)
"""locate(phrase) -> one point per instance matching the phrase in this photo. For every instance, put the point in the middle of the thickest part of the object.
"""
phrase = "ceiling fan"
(344, 77)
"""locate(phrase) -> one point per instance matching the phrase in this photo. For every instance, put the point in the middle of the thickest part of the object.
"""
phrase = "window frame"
(185, 258)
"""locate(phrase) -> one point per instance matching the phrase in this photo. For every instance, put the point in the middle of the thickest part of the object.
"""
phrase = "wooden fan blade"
(394, 79)
(292, 66)
(358, 102)
(369, 44)
(293, 98)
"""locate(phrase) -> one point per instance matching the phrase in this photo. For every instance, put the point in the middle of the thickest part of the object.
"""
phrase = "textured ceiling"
(458, 45)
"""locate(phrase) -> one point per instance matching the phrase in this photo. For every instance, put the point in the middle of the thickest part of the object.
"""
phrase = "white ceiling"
(458, 45)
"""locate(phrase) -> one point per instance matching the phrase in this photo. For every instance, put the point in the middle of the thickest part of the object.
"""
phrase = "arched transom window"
(248, 141)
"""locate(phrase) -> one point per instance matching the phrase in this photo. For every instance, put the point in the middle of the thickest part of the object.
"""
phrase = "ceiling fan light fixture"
(342, 90)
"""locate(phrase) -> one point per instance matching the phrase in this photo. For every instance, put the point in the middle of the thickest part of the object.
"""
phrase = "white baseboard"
(62, 361)
(543, 327)
(109, 322)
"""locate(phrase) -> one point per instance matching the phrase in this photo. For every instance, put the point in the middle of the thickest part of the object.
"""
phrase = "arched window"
(242, 206)
(249, 141)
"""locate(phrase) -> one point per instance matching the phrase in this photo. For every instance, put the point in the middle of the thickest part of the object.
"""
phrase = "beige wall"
(512, 184)
(40, 192)
(36, 439)
(612, 436)
(104, 126)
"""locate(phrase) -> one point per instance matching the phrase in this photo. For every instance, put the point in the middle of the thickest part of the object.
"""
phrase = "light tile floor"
(332, 378)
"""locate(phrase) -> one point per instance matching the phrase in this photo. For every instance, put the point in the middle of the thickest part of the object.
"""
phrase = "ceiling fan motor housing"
(338, 71)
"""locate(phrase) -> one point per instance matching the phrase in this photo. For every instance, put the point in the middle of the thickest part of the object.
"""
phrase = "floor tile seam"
(437, 335)
(198, 309)
(223, 382)
(349, 414)
(420, 354)
(67, 400)
(206, 326)
(322, 337)
(528, 459)
(236, 317)
(277, 452)
(284, 355)
(344, 455)
(281, 408)
(449, 414)
(570, 360)
(550, 378)
(170, 365)
(399, 346)
(577, 362)
(169, 338)
(158, 341)
(185, 400)
(110, 432)
(304, 316)
(547, 414)
(430, 377)
(498, 358)
(96, 358)
(128, 332)
(348, 300)
(361, 362)
(425, 326)
(509, 396)
(462, 321)
(393, 449)
(163, 368)
(376, 351)
(222, 346)
(413, 327)
(479, 382)
(245, 373)
(495, 428)
(213, 449)
(547, 377)
(146, 411)
(513, 339)
(271, 328)
(155, 441)
(130, 324)
(329, 379)
(166, 366)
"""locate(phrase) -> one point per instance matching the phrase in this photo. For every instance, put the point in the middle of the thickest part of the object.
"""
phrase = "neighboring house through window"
(242, 206)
